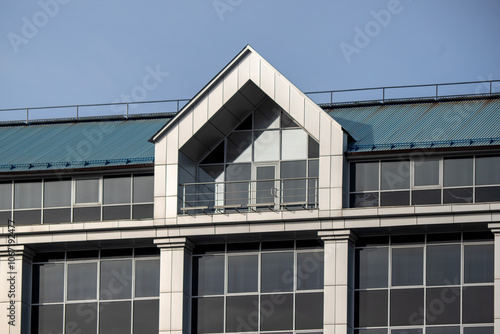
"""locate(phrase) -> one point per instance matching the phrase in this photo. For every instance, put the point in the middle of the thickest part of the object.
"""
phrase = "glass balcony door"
(266, 186)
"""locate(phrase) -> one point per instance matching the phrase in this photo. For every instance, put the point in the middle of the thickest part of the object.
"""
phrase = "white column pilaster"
(495, 228)
(338, 289)
(15, 288)
(175, 285)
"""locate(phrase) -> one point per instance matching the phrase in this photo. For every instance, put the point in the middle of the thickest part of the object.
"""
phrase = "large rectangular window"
(107, 291)
(77, 199)
(425, 181)
(258, 287)
(434, 283)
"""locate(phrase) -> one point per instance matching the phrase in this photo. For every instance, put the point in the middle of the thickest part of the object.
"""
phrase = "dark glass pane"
(242, 273)
(444, 237)
(121, 252)
(443, 306)
(478, 236)
(371, 331)
(309, 244)
(372, 268)
(457, 195)
(48, 282)
(57, 193)
(116, 212)
(487, 170)
(478, 330)
(457, 172)
(208, 275)
(5, 216)
(478, 263)
(116, 279)
(27, 194)
(405, 307)
(142, 211)
(238, 192)
(81, 318)
(424, 197)
(406, 331)
(426, 173)
(287, 121)
(6, 196)
(143, 188)
(488, 194)
(372, 241)
(49, 257)
(117, 190)
(30, 217)
(363, 200)
(146, 316)
(310, 270)
(246, 124)
(309, 311)
(407, 266)
(208, 315)
(265, 188)
(364, 176)
(277, 272)
(87, 191)
(394, 198)
(57, 216)
(82, 281)
(216, 156)
(395, 175)
(443, 330)
(242, 247)
(239, 147)
(267, 115)
(477, 304)
(313, 148)
(47, 319)
(83, 255)
(146, 251)
(407, 239)
(370, 308)
(276, 312)
(283, 244)
(209, 249)
(114, 318)
(294, 190)
(147, 278)
(87, 214)
(242, 314)
(443, 265)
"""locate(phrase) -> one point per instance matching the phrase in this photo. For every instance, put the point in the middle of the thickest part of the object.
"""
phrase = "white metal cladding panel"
(296, 106)
(230, 84)
(185, 128)
(267, 79)
(254, 69)
(200, 112)
(244, 71)
(215, 98)
(312, 119)
(282, 95)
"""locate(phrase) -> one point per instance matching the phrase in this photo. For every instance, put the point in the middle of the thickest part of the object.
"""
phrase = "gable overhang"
(232, 86)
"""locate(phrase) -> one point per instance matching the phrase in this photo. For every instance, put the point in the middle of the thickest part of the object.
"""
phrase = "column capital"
(337, 235)
(174, 243)
(494, 227)
(15, 250)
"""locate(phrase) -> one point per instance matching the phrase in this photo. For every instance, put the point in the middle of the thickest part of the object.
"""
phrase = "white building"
(269, 214)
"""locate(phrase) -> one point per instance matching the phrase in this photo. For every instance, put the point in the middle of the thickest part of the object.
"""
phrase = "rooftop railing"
(330, 97)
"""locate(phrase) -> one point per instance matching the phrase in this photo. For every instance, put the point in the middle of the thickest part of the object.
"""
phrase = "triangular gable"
(249, 67)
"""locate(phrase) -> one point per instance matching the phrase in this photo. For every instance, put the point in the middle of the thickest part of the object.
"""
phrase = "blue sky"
(58, 52)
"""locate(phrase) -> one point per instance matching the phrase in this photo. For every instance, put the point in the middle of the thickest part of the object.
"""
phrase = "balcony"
(249, 196)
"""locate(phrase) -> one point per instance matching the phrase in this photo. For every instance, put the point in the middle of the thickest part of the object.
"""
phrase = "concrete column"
(495, 228)
(15, 288)
(175, 285)
(338, 311)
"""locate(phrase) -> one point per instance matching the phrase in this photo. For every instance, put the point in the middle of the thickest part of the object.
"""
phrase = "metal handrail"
(384, 90)
(77, 108)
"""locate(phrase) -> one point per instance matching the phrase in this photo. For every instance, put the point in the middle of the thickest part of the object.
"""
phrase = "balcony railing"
(247, 196)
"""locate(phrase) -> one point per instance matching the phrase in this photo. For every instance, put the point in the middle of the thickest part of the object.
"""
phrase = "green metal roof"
(70, 145)
(420, 124)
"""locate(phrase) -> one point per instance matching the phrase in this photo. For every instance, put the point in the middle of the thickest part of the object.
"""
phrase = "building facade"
(255, 210)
